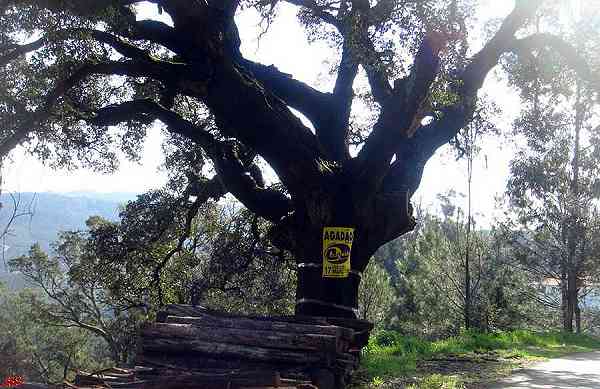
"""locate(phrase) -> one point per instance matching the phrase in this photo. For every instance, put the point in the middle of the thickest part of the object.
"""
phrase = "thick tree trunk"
(316, 296)
(320, 296)
(372, 220)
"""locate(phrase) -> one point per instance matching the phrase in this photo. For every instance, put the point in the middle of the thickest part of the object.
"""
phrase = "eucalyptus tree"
(72, 69)
(555, 176)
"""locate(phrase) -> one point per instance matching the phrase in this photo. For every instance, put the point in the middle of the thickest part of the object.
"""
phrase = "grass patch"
(465, 359)
(437, 381)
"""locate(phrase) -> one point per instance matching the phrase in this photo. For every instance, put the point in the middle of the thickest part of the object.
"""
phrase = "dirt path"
(580, 371)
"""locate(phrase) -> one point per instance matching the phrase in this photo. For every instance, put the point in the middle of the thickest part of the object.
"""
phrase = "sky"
(286, 47)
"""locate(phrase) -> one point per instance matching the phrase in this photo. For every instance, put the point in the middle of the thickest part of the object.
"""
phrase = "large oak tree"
(82, 78)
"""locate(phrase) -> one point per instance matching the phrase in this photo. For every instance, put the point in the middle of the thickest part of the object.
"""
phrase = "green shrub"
(412, 345)
(388, 338)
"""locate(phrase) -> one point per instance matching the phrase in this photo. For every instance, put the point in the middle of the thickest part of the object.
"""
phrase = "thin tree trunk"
(67, 367)
(468, 298)
(571, 298)
(573, 226)
(468, 289)
(578, 319)
(564, 298)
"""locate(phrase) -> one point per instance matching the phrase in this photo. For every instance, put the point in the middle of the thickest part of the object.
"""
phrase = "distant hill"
(52, 213)
(117, 197)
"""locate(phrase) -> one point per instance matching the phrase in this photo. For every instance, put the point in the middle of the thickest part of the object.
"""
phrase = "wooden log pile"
(192, 347)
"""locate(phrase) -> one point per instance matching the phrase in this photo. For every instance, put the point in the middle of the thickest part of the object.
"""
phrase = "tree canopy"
(82, 79)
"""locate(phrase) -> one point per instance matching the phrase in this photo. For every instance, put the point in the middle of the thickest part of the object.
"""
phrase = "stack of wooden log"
(323, 351)
(192, 347)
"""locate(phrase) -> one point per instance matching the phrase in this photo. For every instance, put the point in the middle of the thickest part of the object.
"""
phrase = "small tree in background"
(29, 347)
(430, 272)
(71, 298)
(376, 295)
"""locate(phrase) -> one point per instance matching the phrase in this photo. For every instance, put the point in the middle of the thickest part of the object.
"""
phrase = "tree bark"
(319, 296)
(375, 220)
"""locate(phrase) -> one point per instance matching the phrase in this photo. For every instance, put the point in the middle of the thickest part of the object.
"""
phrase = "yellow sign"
(337, 245)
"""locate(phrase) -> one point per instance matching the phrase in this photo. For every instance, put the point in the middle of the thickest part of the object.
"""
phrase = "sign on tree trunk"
(337, 245)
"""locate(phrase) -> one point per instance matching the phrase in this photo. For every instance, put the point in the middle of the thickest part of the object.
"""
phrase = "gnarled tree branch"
(23, 129)
(296, 94)
(401, 115)
(317, 11)
(415, 151)
(234, 174)
(122, 47)
(487, 58)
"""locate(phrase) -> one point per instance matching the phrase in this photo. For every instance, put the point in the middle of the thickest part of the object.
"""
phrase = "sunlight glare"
(147, 10)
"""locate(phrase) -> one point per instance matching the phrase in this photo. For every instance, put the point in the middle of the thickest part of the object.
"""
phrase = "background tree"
(554, 177)
(160, 252)
(376, 295)
(467, 145)
(109, 280)
(428, 277)
(74, 297)
(60, 92)
(441, 247)
(13, 211)
(38, 352)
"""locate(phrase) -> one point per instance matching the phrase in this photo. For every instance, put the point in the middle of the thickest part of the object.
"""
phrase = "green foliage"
(164, 250)
(73, 296)
(101, 282)
(429, 277)
(376, 295)
(31, 348)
